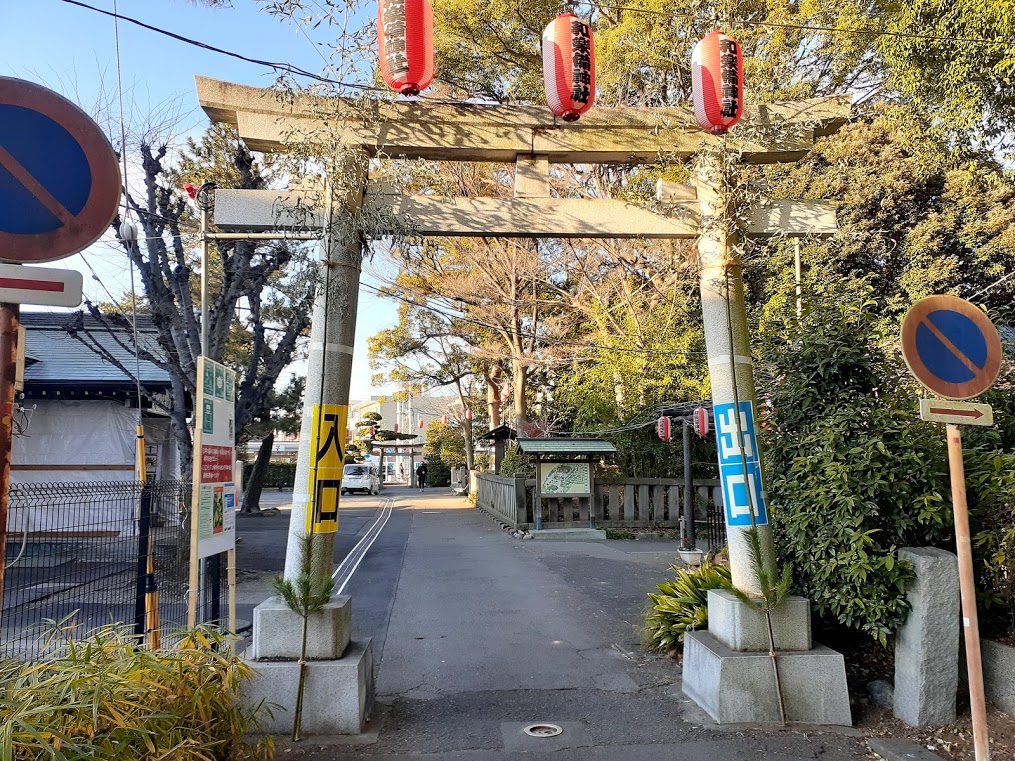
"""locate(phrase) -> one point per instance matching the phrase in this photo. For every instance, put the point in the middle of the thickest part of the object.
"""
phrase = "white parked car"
(361, 477)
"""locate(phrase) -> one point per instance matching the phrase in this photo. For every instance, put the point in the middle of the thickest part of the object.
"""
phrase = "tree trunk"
(520, 383)
(252, 494)
(470, 457)
(493, 383)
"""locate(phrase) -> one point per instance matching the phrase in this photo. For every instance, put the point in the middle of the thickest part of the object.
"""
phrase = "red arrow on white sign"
(39, 285)
(956, 413)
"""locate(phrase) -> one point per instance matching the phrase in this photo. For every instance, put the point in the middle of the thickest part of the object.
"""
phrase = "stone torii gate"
(532, 139)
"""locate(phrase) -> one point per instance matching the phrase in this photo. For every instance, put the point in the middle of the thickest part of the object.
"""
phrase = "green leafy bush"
(438, 473)
(990, 482)
(104, 698)
(280, 475)
(682, 604)
(853, 473)
(516, 464)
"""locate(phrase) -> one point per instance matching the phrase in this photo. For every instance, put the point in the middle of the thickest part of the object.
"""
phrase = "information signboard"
(565, 479)
(214, 496)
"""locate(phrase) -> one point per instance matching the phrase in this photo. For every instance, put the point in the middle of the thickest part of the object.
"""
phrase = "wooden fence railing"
(624, 503)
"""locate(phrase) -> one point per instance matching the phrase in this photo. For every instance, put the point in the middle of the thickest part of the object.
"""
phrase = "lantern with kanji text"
(700, 418)
(717, 82)
(664, 428)
(569, 66)
(405, 42)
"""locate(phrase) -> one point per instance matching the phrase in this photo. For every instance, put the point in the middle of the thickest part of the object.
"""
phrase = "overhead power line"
(276, 65)
(829, 29)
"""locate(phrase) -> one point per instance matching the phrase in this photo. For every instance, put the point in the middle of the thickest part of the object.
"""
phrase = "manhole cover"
(543, 730)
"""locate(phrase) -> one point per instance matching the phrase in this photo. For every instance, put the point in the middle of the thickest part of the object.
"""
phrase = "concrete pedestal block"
(999, 674)
(743, 627)
(278, 631)
(737, 687)
(338, 697)
(927, 645)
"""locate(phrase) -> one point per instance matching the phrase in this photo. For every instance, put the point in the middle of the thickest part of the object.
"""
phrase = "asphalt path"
(477, 634)
(260, 555)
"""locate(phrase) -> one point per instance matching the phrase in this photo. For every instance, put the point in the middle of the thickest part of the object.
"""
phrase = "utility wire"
(276, 65)
(830, 29)
(126, 216)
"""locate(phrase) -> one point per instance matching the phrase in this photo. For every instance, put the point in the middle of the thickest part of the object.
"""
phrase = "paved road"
(478, 634)
(261, 555)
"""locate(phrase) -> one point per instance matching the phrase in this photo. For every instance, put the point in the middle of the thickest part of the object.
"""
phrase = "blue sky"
(71, 49)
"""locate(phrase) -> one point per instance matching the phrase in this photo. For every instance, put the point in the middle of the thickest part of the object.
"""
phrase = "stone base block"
(570, 534)
(927, 645)
(743, 627)
(735, 687)
(999, 674)
(337, 700)
(278, 631)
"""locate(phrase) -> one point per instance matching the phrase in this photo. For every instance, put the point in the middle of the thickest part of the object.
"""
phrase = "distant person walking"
(401, 472)
(421, 475)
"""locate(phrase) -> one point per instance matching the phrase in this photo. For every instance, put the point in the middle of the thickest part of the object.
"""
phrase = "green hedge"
(280, 475)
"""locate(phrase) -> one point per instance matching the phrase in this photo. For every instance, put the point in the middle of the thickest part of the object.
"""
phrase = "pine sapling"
(774, 589)
(306, 595)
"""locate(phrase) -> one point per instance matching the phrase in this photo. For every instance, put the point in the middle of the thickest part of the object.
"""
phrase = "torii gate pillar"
(728, 669)
(731, 372)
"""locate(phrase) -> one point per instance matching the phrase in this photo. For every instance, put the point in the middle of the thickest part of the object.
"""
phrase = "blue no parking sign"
(951, 347)
(59, 178)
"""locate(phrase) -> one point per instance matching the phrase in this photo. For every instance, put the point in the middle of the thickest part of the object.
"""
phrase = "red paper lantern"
(701, 422)
(717, 82)
(663, 428)
(405, 41)
(468, 414)
(421, 424)
(569, 66)
(444, 420)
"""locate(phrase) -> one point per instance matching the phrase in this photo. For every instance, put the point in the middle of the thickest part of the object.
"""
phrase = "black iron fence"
(90, 554)
(715, 526)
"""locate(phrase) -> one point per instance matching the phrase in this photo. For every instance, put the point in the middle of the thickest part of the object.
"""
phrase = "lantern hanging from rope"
(569, 66)
(717, 82)
(405, 42)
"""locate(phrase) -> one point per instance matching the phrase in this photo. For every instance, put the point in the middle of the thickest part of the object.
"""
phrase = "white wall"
(86, 433)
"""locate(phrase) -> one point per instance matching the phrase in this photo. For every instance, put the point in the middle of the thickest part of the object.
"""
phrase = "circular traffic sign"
(951, 347)
(59, 178)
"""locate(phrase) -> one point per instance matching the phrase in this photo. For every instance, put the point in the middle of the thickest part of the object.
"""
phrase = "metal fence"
(90, 554)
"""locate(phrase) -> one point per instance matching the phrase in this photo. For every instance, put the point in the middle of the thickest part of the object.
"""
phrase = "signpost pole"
(977, 702)
(9, 314)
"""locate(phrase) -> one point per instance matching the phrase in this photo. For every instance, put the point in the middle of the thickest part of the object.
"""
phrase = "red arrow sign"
(975, 414)
(956, 413)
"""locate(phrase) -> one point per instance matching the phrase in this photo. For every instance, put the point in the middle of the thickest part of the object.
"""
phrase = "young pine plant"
(305, 596)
